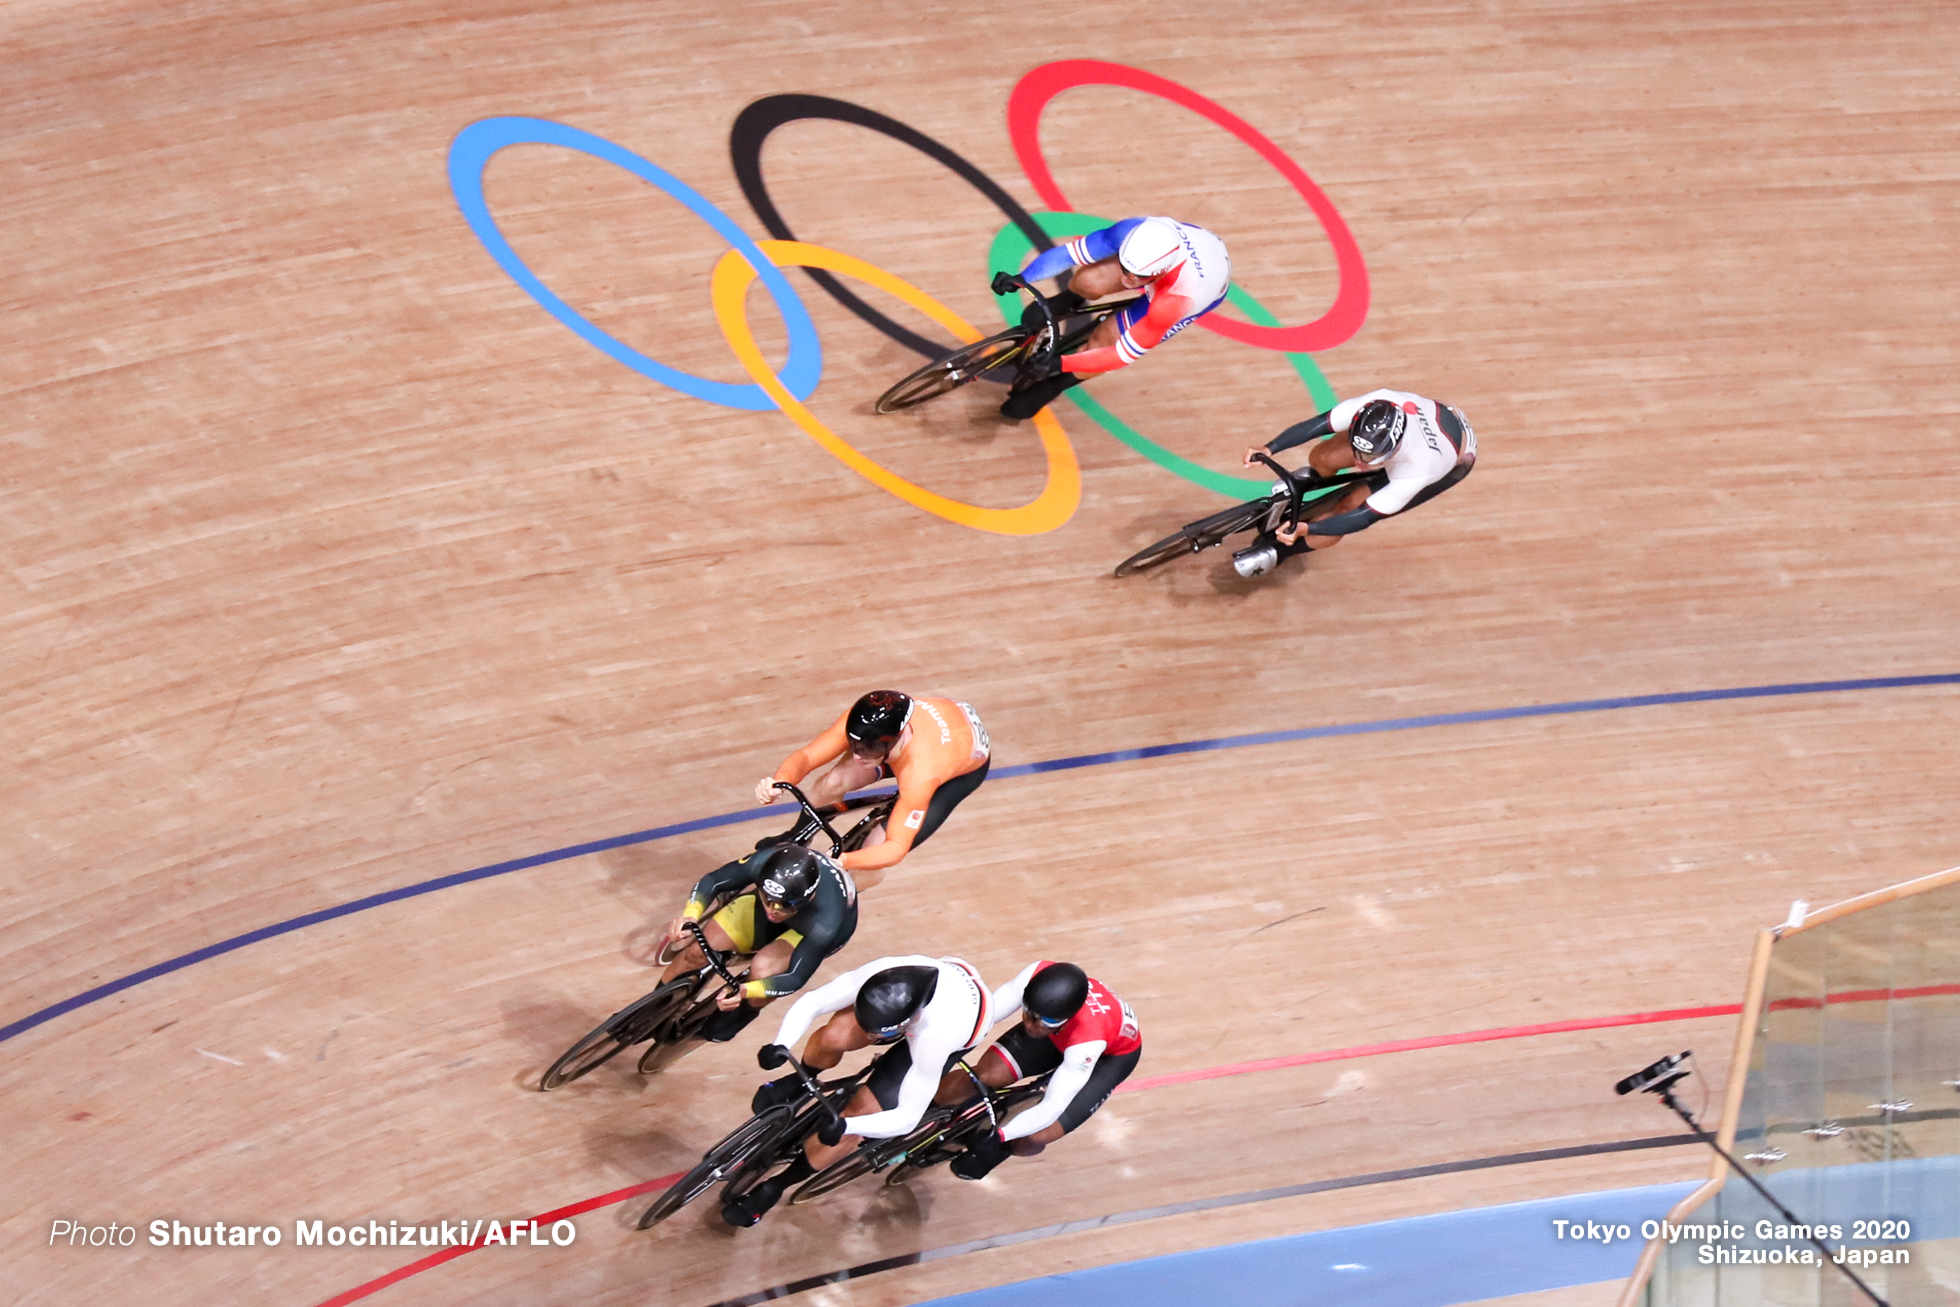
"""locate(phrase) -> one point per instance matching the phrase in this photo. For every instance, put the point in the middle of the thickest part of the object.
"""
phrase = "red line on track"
(1428, 1041)
(1863, 996)
(1219, 1072)
(450, 1254)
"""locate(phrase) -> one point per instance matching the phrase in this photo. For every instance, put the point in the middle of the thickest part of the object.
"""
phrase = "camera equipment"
(1655, 1079)
(1660, 1078)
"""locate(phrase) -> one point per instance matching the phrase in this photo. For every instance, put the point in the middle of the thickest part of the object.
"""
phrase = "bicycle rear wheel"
(1202, 534)
(946, 1140)
(836, 1175)
(622, 1029)
(674, 1039)
(728, 1155)
(954, 371)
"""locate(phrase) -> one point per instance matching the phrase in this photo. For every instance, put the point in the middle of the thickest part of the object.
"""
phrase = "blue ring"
(470, 152)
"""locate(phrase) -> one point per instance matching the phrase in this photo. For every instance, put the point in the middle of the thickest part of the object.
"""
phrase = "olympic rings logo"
(748, 260)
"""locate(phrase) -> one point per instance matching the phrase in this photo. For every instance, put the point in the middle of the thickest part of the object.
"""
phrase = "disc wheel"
(675, 1039)
(718, 1162)
(750, 1171)
(622, 1029)
(1199, 535)
(911, 1167)
(837, 1175)
(945, 1141)
(953, 371)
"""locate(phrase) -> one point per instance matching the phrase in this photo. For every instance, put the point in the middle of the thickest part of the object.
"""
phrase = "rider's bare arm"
(820, 1002)
(1006, 1002)
(908, 814)
(830, 745)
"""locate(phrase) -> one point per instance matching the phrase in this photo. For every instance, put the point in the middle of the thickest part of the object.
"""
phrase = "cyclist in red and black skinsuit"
(1071, 1024)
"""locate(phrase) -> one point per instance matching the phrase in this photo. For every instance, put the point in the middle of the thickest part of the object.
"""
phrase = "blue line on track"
(101, 992)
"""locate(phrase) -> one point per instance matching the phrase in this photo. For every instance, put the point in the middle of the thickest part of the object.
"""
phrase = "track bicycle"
(1281, 508)
(774, 1136)
(943, 1135)
(669, 1019)
(1005, 355)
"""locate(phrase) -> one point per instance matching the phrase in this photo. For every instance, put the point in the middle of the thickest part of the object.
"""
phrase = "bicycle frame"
(810, 813)
(1057, 342)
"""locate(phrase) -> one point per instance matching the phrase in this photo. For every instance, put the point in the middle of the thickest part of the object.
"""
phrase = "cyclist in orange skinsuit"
(937, 749)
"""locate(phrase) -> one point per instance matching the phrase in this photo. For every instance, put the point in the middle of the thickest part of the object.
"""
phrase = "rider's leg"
(955, 1087)
(1031, 1145)
(770, 960)
(1267, 551)
(689, 959)
(834, 1038)
(820, 1154)
(1328, 507)
(1032, 398)
(832, 1043)
(848, 774)
(938, 808)
(989, 1152)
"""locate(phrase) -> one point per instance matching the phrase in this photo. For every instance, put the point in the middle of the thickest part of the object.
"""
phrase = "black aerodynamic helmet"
(875, 721)
(789, 877)
(891, 998)
(1056, 992)
(1377, 430)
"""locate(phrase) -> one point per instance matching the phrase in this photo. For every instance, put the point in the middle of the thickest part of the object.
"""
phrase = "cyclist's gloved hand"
(981, 1156)
(1004, 283)
(1040, 366)
(771, 1056)
(830, 1131)
(775, 1093)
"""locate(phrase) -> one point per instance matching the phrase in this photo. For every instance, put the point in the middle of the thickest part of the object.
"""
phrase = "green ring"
(1010, 252)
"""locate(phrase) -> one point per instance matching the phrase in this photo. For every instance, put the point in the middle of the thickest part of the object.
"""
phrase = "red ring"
(1032, 94)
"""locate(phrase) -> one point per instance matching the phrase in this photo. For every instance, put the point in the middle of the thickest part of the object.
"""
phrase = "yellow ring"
(733, 276)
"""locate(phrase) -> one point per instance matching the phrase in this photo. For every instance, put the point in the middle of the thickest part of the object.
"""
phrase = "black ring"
(752, 128)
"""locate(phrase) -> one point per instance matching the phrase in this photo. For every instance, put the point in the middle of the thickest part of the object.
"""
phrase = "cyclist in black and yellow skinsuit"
(801, 908)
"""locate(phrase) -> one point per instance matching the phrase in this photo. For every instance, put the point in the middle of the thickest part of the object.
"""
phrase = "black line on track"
(1199, 1205)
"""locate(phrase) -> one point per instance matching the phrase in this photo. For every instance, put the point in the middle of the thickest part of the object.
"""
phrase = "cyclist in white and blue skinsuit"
(1182, 270)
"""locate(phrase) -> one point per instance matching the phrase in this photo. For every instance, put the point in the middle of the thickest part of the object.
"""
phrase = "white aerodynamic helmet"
(1152, 248)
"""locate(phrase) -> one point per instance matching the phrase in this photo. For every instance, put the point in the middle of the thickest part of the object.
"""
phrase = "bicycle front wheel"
(954, 371)
(1200, 535)
(622, 1029)
(755, 1133)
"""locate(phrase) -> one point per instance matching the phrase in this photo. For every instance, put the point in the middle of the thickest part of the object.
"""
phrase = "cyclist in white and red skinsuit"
(1182, 270)
(1090, 1051)
(946, 1010)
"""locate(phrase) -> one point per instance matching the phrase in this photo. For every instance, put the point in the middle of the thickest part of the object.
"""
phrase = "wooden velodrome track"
(334, 564)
